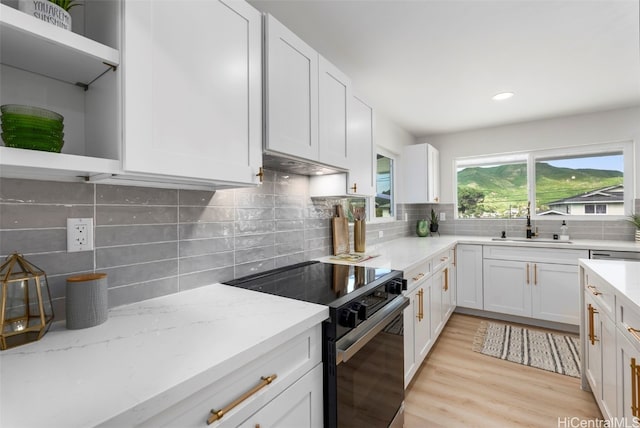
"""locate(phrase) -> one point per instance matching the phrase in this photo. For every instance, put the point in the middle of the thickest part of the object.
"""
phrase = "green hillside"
(503, 189)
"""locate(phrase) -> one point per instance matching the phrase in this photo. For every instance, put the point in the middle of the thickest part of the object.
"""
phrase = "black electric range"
(341, 287)
(365, 319)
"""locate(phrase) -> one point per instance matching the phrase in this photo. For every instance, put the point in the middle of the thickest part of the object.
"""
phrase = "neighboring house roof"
(552, 212)
(611, 194)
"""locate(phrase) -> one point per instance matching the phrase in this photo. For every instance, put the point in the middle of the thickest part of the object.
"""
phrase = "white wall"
(603, 127)
(390, 136)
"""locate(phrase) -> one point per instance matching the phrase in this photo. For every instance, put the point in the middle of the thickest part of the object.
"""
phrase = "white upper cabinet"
(421, 180)
(334, 98)
(291, 93)
(192, 93)
(72, 74)
(360, 180)
(361, 150)
(151, 94)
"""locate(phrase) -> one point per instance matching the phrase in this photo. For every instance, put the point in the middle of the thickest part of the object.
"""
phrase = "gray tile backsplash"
(153, 242)
(616, 230)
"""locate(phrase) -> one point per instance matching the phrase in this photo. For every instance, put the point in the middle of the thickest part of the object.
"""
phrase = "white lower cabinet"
(298, 406)
(468, 282)
(417, 323)
(628, 360)
(532, 283)
(293, 398)
(627, 377)
(600, 355)
(431, 293)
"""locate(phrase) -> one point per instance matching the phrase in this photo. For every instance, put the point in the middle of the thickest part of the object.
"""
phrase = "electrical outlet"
(443, 216)
(79, 234)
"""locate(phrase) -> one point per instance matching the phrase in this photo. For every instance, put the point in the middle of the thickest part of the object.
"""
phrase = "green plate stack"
(34, 128)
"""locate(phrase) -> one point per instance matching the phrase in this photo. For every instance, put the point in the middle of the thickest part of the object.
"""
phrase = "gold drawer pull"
(218, 414)
(594, 290)
(635, 383)
(635, 333)
(444, 259)
(420, 295)
(446, 279)
(592, 333)
(418, 276)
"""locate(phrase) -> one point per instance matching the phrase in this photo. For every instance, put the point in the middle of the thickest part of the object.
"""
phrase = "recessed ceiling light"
(319, 173)
(502, 96)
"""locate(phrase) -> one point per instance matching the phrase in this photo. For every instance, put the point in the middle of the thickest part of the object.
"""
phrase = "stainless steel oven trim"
(350, 344)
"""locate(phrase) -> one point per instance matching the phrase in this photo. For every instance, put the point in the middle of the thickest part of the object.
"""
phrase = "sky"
(611, 163)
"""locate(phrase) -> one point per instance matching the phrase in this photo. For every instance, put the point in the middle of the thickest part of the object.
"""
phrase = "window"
(381, 207)
(384, 199)
(579, 185)
(492, 188)
(595, 209)
(581, 181)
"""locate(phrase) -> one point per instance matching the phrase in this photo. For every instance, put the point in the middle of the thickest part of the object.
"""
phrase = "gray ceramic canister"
(86, 301)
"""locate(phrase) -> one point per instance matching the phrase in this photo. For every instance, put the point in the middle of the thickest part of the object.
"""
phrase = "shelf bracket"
(110, 67)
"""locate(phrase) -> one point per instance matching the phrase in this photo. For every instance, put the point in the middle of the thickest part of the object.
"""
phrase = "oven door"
(370, 370)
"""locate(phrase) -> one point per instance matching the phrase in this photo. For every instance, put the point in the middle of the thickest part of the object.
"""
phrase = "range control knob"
(361, 309)
(394, 286)
(348, 318)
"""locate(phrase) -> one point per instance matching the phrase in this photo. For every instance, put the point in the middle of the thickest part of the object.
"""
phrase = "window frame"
(371, 201)
(531, 157)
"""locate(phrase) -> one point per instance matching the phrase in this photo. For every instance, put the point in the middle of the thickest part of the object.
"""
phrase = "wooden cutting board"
(340, 228)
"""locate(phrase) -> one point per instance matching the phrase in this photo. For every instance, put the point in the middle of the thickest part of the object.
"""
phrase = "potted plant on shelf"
(55, 12)
(433, 222)
(635, 220)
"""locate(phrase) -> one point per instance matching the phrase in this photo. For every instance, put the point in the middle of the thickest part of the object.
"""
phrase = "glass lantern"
(26, 311)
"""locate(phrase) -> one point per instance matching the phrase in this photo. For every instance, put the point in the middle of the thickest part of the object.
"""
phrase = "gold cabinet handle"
(635, 383)
(446, 279)
(444, 259)
(420, 295)
(527, 273)
(354, 188)
(592, 336)
(418, 277)
(535, 274)
(218, 414)
(455, 255)
(634, 332)
(594, 290)
(260, 174)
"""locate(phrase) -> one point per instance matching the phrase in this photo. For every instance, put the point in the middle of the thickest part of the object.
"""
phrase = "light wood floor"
(457, 387)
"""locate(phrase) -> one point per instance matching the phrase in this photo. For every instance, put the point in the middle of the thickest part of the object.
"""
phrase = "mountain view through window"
(588, 185)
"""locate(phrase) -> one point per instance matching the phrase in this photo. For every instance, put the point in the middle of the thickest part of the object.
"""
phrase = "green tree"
(468, 199)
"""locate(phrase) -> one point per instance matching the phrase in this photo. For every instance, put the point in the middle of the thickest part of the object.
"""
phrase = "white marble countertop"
(404, 253)
(624, 276)
(146, 357)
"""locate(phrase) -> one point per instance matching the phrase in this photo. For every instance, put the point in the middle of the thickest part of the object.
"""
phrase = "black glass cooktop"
(315, 282)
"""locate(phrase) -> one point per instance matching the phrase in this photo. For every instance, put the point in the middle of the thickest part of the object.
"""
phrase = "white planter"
(46, 11)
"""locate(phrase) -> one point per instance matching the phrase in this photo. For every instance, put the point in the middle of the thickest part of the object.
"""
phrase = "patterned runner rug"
(548, 351)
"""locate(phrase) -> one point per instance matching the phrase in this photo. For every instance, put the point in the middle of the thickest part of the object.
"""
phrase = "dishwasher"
(614, 255)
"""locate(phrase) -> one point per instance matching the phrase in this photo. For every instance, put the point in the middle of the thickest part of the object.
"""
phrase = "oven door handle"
(349, 345)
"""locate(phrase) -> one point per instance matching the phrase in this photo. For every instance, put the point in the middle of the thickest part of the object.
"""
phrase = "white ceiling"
(432, 66)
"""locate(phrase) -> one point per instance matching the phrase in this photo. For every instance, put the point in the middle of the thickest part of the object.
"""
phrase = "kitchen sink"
(533, 240)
